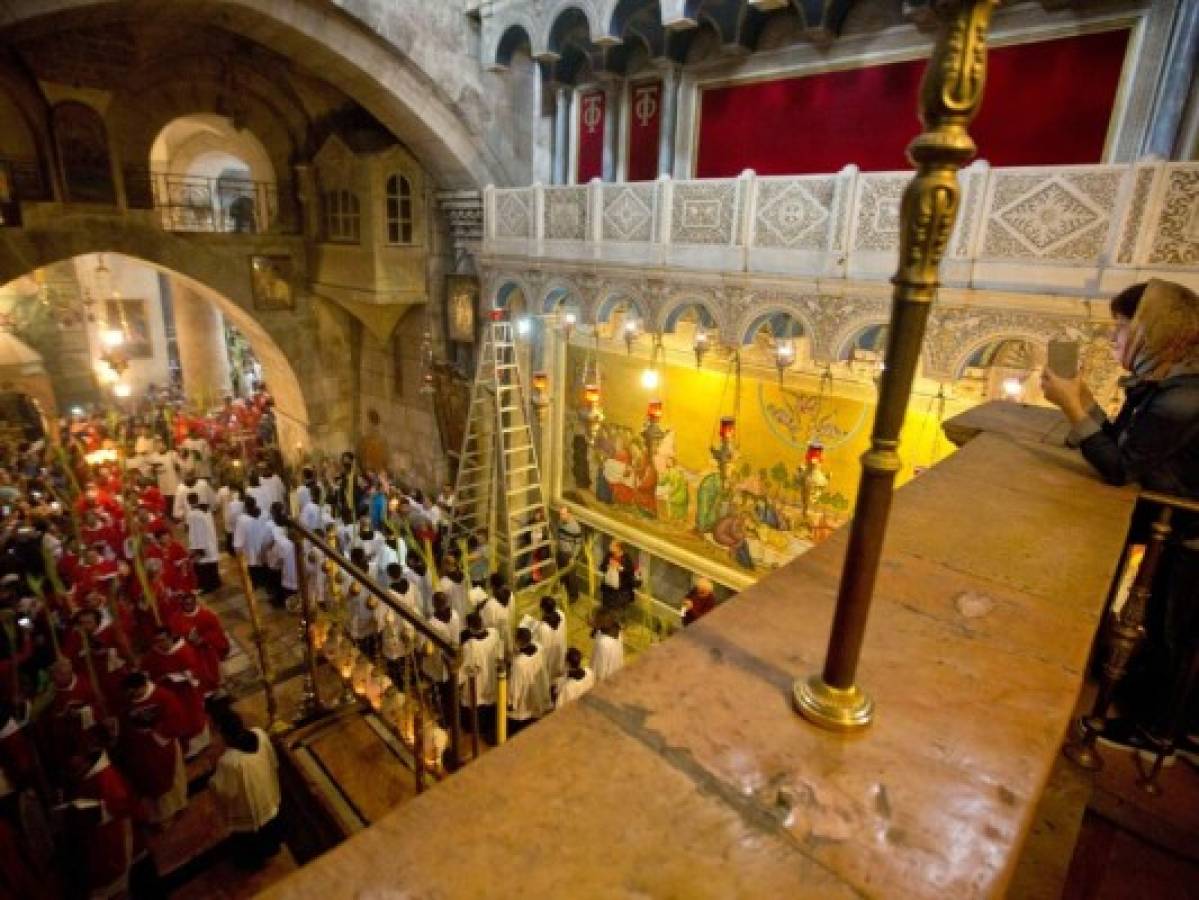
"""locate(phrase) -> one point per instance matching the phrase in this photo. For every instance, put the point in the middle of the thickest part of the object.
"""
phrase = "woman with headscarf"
(1154, 442)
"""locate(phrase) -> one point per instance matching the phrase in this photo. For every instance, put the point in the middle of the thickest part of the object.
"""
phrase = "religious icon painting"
(462, 299)
(131, 317)
(270, 279)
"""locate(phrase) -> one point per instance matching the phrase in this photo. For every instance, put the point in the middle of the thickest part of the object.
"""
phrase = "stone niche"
(370, 222)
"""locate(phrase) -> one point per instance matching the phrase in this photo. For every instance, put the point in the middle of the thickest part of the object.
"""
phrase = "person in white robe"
(164, 464)
(230, 505)
(481, 654)
(191, 485)
(453, 584)
(246, 786)
(528, 683)
(607, 654)
(250, 535)
(274, 488)
(496, 613)
(550, 635)
(280, 557)
(577, 681)
(202, 542)
(365, 619)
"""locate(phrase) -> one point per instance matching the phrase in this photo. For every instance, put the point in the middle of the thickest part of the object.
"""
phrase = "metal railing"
(25, 179)
(199, 204)
(1124, 635)
(410, 730)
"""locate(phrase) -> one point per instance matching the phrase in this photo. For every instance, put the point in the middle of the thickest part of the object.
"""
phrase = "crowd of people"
(110, 660)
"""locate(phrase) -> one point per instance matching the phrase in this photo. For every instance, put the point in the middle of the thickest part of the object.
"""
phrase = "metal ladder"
(499, 491)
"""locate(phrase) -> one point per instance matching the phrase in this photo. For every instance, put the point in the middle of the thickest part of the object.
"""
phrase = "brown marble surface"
(689, 775)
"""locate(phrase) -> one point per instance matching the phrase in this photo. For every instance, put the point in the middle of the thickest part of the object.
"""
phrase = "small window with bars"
(399, 210)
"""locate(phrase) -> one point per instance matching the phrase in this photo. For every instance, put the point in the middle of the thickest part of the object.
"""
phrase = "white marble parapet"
(1077, 230)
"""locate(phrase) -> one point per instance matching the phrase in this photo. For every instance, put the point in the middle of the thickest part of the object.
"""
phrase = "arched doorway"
(131, 302)
(209, 175)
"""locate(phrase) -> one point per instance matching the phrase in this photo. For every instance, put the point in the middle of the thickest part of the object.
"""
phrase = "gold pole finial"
(949, 97)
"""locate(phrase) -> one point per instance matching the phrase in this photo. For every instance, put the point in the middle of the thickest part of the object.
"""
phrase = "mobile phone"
(1063, 358)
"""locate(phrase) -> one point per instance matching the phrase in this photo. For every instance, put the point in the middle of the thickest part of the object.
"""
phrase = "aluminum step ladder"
(499, 496)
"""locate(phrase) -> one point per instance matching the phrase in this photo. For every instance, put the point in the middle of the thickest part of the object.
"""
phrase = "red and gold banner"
(645, 127)
(591, 135)
(1047, 103)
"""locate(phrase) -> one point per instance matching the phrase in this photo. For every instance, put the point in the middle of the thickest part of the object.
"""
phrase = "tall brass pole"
(949, 97)
(312, 697)
(264, 660)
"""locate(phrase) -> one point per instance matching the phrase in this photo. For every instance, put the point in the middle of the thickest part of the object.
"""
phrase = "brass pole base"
(833, 708)
(1083, 754)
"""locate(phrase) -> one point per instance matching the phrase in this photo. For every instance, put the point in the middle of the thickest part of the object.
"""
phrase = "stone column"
(671, 76)
(1178, 74)
(612, 92)
(200, 334)
(561, 133)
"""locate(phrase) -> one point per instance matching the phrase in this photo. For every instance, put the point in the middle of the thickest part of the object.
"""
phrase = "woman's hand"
(1068, 394)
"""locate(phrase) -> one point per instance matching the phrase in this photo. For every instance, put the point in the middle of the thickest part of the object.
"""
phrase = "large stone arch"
(329, 42)
(281, 340)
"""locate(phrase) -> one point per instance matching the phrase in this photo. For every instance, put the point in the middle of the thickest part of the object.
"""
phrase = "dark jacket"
(1154, 442)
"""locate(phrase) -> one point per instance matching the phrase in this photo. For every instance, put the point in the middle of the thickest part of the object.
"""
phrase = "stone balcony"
(689, 775)
(1082, 231)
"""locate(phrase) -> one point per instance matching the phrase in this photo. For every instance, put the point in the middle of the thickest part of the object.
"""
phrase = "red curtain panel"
(591, 136)
(1046, 103)
(645, 125)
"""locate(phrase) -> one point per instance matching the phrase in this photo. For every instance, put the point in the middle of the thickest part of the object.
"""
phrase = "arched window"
(399, 210)
(342, 224)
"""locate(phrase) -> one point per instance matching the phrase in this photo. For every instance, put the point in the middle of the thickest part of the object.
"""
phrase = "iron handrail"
(369, 583)
(1170, 500)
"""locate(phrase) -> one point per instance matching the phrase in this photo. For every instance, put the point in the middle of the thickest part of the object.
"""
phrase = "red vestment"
(107, 845)
(68, 720)
(17, 759)
(153, 500)
(151, 731)
(177, 671)
(204, 632)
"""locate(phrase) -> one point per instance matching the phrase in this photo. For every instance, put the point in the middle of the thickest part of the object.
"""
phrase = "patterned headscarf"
(1163, 337)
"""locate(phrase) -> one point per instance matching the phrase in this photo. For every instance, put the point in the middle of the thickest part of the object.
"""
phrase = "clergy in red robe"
(152, 499)
(200, 627)
(18, 760)
(96, 663)
(152, 729)
(178, 570)
(99, 826)
(172, 663)
(73, 719)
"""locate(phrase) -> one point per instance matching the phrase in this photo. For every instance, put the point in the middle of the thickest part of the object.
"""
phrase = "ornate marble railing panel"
(1080, 230)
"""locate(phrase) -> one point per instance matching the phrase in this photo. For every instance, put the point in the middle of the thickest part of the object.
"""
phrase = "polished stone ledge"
(689, 775)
